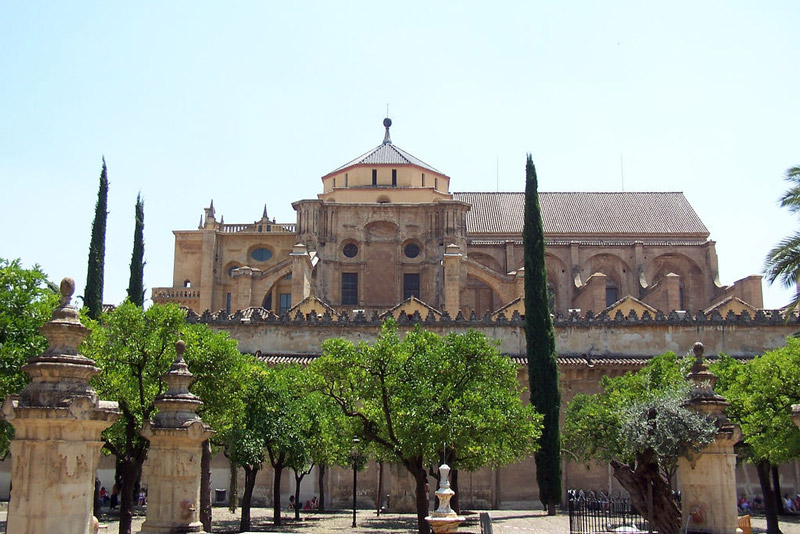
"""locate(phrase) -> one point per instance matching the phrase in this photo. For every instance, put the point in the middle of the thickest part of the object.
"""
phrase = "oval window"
(261, 254)
(412, 250)
(350, 250)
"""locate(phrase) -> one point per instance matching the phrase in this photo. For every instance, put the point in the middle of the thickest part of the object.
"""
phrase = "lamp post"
(355, 473)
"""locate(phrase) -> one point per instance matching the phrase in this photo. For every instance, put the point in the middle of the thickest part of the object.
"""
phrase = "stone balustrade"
(258, 228)
(176, 293)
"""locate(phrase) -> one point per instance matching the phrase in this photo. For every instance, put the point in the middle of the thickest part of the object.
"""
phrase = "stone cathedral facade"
(631, 275)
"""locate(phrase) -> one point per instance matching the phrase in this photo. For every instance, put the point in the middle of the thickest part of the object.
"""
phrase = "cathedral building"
(631, 275)
(386, 227)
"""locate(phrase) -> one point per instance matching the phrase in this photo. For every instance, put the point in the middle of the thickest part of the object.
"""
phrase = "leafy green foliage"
(638, 424)
(93, 295)
(594, 424)
(409, 398)
(783, 261)
(541, 346)
(134, 348)
(27, 301)
(761, 392)
(136, 283)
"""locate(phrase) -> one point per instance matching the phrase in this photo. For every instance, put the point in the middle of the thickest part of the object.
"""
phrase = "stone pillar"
(592, 296)
(452, 279)
(708, 479)
(243, 287)
(796, 414)
(172, 468)
(519, 282)
(57, 421)
(301, 273)
(208, 263)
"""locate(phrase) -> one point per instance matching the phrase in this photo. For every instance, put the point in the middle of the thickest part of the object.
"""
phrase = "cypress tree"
(541, 347)
(136, 284)
(93, 295)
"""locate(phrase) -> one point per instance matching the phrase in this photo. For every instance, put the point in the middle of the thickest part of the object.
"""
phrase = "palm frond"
(791, 197)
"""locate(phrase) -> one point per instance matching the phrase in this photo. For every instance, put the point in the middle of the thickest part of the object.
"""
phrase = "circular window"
(261, 254)
(412, 250)
(231, 269)
(350, 250)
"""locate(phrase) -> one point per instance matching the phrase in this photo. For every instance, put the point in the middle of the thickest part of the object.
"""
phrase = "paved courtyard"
(504, 522)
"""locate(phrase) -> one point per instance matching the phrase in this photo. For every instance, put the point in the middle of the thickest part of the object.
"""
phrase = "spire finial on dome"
(387, 140)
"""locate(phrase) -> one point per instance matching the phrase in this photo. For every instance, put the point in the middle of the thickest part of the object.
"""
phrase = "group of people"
(111, 500)
(789, 504)
(313, 504)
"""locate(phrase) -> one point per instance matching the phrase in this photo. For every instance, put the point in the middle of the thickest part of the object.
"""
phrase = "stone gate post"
(708, 479)
(57, 421)
(172, 468)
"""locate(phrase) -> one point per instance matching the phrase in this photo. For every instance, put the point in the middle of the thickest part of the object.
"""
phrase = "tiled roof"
(654, 214)
(386, 154)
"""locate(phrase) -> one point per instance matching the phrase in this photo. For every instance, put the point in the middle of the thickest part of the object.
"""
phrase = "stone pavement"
(504, 522)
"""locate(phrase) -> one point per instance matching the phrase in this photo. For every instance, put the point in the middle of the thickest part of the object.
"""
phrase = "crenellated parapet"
(596, 337)
(572, 320)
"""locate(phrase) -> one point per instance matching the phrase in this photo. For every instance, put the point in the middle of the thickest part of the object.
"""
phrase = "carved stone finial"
(387, 122)
(67, 289)
(177, 406)
(180, 347)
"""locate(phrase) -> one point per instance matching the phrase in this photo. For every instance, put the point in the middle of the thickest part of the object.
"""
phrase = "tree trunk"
(321, 479)
(454, 486)
(298, 478)
(776, 488)
(380, 487)
(249, 483)
(130, 470)
(205, 486)
(276, 495)
(639, 482)
(416, 469)
(770, 499)
(234, 487)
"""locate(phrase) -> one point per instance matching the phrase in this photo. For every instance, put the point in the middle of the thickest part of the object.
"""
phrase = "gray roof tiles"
(386, 154)
(645, 214)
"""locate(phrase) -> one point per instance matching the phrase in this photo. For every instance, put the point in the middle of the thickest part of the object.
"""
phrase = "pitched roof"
(385, 154)
(655, 214)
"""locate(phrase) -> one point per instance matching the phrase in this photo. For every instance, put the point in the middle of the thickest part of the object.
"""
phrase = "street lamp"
(355, 472)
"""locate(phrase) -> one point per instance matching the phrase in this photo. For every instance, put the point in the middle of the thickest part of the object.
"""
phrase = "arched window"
(612, 293)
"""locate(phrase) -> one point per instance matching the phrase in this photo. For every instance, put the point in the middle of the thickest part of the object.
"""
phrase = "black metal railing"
(594, 512)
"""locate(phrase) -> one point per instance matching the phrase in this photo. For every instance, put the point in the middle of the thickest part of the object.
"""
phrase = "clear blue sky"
(250, 103)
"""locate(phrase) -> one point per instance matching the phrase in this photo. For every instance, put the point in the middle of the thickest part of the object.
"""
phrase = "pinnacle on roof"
(387, 140)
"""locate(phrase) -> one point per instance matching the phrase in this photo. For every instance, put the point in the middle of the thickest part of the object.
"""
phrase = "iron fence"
(593, 513)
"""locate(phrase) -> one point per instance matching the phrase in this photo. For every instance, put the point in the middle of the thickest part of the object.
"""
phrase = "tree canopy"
(541, 347)
(761, 392)
(410, 397)
(783, 261)
(638, 424)
(134, 348)
(27, 300)
(93, 294)
(136, 282)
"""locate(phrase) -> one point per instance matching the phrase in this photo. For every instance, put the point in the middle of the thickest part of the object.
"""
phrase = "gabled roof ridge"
(582, 212)
(405, 157)
(570, 192)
